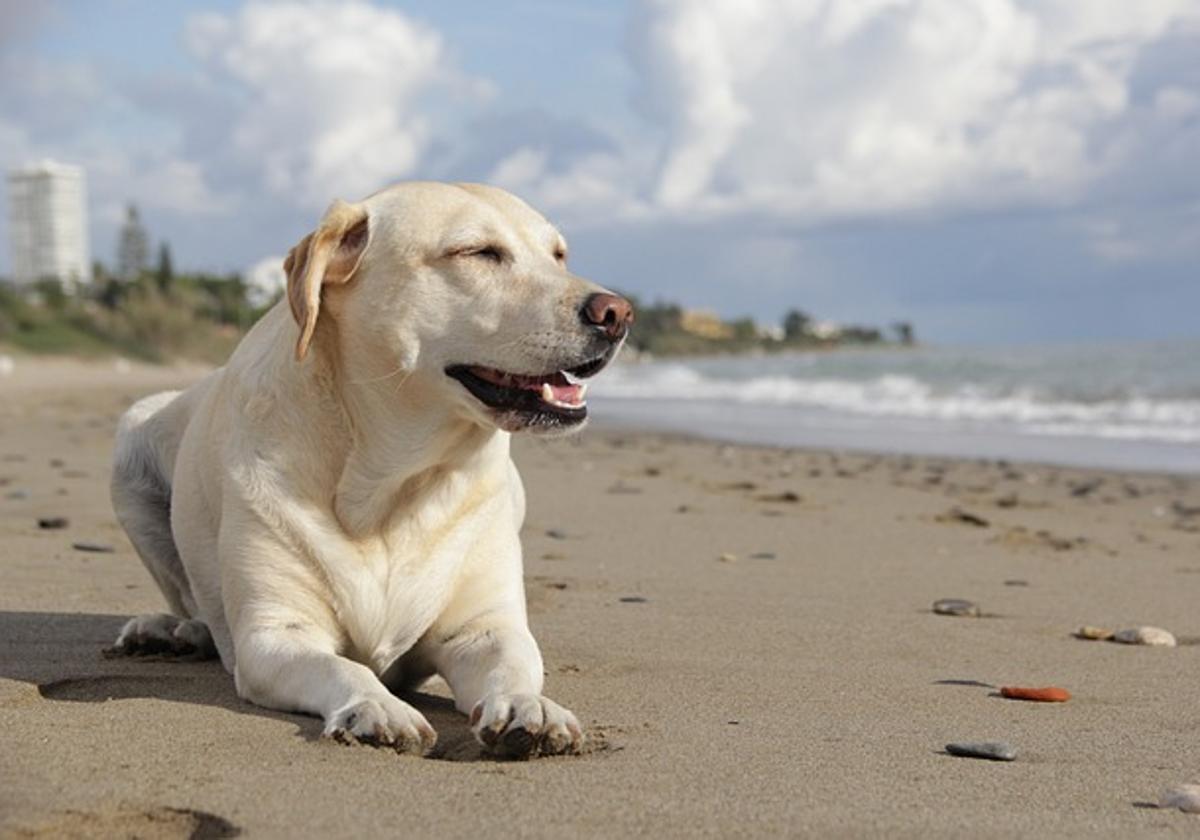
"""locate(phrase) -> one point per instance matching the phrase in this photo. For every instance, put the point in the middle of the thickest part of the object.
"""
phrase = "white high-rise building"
(47, 223)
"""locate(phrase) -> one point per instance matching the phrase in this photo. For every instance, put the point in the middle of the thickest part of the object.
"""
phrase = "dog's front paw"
(523, 725)
(382, 722)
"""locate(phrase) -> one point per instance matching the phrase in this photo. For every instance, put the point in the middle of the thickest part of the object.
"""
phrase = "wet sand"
(745, 631)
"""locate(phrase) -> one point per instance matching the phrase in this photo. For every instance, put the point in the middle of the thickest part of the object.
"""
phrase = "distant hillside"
(199, 317)
(162, 316)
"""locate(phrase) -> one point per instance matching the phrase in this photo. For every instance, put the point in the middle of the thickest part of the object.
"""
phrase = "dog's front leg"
(292, 666)
(494, 668)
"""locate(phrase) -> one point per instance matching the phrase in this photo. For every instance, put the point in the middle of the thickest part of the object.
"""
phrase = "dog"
(335, 512)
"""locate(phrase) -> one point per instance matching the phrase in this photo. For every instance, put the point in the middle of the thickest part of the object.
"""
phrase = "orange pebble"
(1050, 694)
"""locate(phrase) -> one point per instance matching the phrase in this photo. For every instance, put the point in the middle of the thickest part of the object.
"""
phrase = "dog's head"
(462, 291)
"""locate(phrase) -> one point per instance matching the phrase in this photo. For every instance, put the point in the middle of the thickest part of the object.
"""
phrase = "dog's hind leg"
(141, 496)
(164, 635)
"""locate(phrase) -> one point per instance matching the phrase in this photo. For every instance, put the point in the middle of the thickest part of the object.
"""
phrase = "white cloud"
(808, 109)
(331, 94)
(266, 279)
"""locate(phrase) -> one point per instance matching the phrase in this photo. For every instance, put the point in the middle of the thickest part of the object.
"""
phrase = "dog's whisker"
(399, 369)
(400, 384)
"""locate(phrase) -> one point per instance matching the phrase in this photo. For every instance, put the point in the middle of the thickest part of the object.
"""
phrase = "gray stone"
(98, 548)
(1184, 797)
(991, 750)
(1152, 636)
(955, 606)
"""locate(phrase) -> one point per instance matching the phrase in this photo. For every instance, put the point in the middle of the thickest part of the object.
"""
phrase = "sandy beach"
(751, 646)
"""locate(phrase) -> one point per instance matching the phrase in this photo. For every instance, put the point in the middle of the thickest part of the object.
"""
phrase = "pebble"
(1050, 694)
(632, 599)
(957, 514)
(97, 548)
(991, 750)
(788, 496)
(728, 558)
(556, 534)
(1153, 636)
(53, 523)
(1184, 797)
(1101, 634)
(956, 606)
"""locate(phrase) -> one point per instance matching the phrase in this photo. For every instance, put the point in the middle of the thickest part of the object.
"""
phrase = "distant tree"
(795, 324)
(861, 335)
(164, 275)
(744, 330)
(904, 333)
(133, 246)
(51, 292)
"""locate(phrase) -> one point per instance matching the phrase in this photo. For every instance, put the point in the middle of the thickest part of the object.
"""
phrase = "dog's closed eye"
(491, 253)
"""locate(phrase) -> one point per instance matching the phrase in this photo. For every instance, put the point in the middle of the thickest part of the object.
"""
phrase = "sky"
(994, 171)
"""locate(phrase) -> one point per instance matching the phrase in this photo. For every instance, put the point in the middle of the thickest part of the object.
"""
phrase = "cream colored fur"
(340, 514)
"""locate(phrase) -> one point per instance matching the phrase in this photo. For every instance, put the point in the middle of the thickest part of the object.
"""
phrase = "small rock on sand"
(787, 496)
(53, 523)
(1087, 631)
(1152, 636)
(956, 606)
(96, 548)
(991, 750)
(1184, 797)
(728, 558)
(1049, 694)
(556, 534)
(964, 517)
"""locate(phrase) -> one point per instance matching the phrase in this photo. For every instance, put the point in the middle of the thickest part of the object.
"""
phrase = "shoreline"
(1056, 451)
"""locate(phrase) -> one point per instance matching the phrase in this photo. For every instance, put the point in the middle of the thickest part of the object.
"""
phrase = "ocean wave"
(1026, 409)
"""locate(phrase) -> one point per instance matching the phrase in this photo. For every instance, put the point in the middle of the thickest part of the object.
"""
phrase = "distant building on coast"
(704, 324)
(47, 223)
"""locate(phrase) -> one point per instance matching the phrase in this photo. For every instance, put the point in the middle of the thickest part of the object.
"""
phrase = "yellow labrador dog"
(335, 512)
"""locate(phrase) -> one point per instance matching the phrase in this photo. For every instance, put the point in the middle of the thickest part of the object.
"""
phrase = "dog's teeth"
(547, 393)
(582, 391)
(571, 378)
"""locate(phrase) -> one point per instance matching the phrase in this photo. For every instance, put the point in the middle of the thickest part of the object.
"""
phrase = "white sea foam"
(1024, 409)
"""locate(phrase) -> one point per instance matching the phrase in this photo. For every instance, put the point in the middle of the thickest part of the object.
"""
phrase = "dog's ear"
(330, 254)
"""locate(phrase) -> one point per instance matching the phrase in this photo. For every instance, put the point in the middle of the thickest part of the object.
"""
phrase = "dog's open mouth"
(557, 397)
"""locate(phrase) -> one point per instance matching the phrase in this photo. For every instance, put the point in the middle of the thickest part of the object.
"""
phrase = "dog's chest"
(400, 584)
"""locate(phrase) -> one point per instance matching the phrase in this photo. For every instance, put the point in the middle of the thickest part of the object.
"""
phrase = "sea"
(1131, 406)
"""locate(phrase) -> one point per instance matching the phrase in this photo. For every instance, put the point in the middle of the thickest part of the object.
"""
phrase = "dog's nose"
(609, 313)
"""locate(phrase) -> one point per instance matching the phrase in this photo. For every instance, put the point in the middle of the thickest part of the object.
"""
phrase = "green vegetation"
(667, 329)
(157, 316)
(160, 315)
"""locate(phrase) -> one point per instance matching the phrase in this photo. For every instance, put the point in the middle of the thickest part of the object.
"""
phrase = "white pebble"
(1154, 636)
(7, 365)
(1184, 797)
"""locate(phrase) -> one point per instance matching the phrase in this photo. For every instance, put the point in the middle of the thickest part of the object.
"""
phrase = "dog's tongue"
(557, 389)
